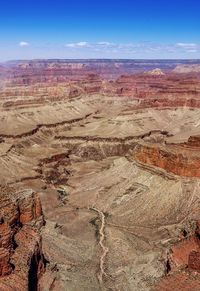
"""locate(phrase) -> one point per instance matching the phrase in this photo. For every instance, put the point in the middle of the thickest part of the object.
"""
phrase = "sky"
(137, 29)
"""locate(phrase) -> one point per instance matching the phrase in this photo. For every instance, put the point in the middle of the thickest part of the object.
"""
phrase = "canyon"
(99, 184)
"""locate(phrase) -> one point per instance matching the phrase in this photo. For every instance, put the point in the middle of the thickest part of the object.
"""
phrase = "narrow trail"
(103, 247)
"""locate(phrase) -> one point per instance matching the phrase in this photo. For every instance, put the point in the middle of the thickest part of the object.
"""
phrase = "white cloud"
(105, 43)
(82, 43)
(78, 44)
(143, 49)
(186, 45)
(23, 43)
(70, 45)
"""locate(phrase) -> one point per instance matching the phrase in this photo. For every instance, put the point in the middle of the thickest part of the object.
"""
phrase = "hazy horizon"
(99, 59)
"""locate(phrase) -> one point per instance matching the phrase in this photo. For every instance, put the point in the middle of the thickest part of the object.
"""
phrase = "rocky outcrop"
(185, 254)
(156, 72)
(183, 264)
(181, 159)
(193, 141)
(21, 258)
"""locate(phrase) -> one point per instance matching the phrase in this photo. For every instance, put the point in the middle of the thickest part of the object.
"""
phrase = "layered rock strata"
(21, 257)
(37, 71)
(181, 159)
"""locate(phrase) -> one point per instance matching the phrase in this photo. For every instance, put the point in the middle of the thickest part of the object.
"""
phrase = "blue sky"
(99, 29)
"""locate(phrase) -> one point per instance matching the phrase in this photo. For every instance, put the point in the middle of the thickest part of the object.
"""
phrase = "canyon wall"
(21, 257)
(37, 71)
(181, 159)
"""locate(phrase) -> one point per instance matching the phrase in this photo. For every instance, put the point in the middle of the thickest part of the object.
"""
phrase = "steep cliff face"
(181, 159)
(21, 257)
(185, 254)
(183, 264)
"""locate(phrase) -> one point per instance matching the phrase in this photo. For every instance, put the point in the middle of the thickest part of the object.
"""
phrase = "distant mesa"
(185, 69)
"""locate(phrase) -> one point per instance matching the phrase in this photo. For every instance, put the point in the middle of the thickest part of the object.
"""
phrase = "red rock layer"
(21, 258)
(182, 159)
(183, 265)
(148, 91)
(143, 85)
(42, 93)
(184, 281)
